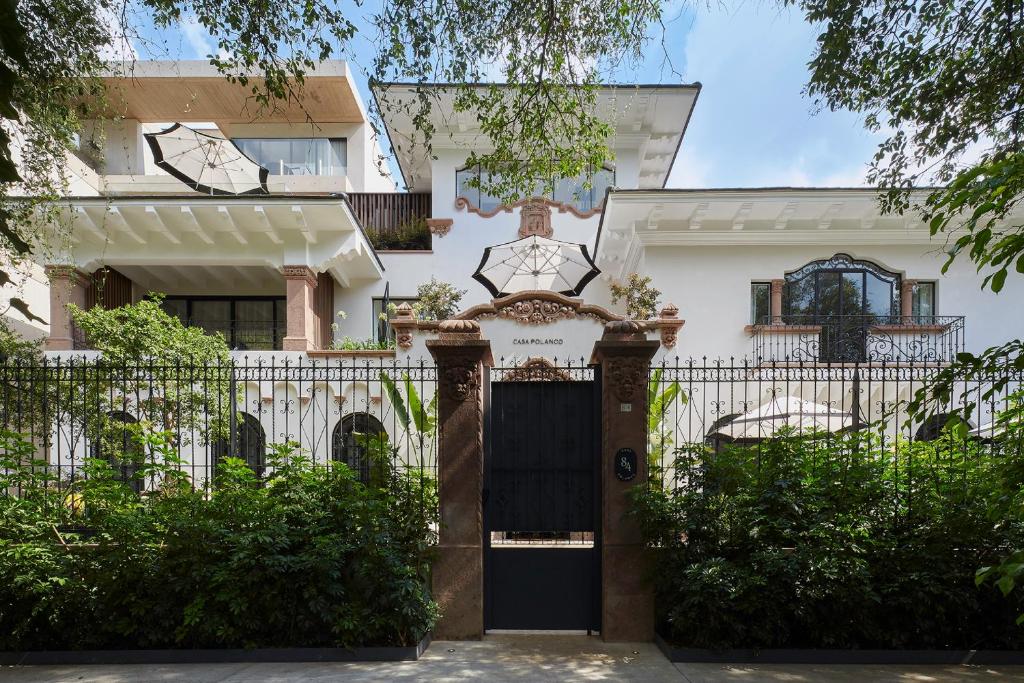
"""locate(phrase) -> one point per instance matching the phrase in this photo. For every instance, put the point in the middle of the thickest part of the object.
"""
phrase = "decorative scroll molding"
(299, 273)
(536, 369)
(460, 377)
(626, 376)
(535, 219)
(538, 308)
(440, 226)
(467, 205)
(535, 308)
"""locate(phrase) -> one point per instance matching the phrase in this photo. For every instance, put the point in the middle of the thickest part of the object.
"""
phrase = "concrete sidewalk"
(512, 658)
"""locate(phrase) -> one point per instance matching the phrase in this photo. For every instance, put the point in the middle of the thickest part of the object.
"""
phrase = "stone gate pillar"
(458, 574)
(627, 599)
(67, 286)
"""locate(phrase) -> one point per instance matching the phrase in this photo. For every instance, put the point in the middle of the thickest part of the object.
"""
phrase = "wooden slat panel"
(109, 289)
(386, 212)
(323, 310)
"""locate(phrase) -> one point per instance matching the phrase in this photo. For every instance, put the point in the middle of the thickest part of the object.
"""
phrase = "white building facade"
(755, 276)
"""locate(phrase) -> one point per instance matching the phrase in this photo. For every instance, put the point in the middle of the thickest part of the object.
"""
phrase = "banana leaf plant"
(660, 434)
(416, 422)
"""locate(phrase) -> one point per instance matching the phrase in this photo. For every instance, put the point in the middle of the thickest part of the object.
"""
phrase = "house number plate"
(625, 464)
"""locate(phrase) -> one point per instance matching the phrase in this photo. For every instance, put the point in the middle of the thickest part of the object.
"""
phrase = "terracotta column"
(300, 334)
(776, 301)
(458, 573)
(67, 286)
(627, 598)
(907, 298)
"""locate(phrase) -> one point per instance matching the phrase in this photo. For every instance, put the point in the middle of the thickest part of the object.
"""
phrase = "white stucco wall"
(711, 286)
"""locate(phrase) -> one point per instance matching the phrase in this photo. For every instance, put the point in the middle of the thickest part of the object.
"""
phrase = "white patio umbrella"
(534, 263)
(800, 417)
(206, 163)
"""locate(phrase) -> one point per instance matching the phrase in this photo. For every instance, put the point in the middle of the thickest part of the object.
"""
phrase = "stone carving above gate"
(538, 308)
(533, 308)
(536, 369)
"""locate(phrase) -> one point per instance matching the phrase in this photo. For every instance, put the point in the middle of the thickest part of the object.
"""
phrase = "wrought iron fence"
(365, 413)
(859, 339)
(704, 406)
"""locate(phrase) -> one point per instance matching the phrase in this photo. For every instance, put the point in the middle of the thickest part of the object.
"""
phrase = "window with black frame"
(357, 441)
(117, 443)
(845, 297)
(760, 303)
(383, 311)
(248, 323)
(250, 444)
(570, 191)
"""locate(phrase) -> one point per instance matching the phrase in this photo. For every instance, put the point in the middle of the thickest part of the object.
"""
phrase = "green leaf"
(396, 400)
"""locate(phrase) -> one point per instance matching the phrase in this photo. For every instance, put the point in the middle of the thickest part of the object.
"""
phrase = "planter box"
(823, 656)
(283, 654)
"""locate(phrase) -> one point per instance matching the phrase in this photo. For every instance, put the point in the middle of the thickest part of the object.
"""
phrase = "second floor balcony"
(858, 339)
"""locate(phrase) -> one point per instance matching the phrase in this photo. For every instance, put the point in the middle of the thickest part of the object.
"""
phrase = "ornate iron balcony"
(859, 339)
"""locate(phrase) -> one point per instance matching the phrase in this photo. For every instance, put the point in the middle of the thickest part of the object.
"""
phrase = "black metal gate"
(542, 499)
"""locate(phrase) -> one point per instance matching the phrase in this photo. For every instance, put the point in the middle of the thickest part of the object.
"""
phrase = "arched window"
(250, 444)
(349, 442)
(569, 191)
(840, 286)
(116, 445)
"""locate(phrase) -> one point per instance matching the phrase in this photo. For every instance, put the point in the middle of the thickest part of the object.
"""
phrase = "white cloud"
(196, 37)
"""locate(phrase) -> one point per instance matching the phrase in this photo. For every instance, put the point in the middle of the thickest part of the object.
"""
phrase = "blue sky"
(752, 126)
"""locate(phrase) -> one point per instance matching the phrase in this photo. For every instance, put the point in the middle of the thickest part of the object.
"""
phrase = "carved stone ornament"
(403, 338)
(460, 377)
(536, 312)
(299, 273)
(403, 324)
(627, 376)
(440, 226)
(535, 219)
(539, 307)
(536, 369)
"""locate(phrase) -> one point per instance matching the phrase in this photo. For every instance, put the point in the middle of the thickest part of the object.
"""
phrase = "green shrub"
(413, 235)
(839, 541)
(307, 556)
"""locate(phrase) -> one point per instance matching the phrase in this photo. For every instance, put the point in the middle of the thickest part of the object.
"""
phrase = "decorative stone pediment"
(538, 308)
(536, 369)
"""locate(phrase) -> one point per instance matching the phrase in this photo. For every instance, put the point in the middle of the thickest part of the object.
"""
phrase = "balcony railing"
(859, 339)
(239, 335)
(393, 220)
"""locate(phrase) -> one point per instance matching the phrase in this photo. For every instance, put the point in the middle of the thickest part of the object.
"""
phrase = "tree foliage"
(944, 83)
(541, 125)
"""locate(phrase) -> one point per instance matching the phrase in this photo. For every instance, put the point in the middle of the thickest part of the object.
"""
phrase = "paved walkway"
(514, 658)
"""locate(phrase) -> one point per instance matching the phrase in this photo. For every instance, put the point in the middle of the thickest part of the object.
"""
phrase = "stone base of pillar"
(296, 344)
(457, 583)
